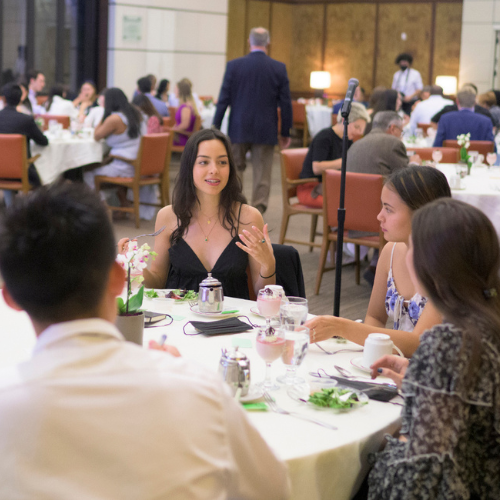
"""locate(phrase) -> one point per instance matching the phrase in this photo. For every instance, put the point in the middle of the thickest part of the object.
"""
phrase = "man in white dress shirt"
(425, 110)
(407, 81)
(91, 416)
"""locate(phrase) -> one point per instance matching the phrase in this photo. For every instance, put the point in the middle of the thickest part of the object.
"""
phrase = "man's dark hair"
(12, 93)
(56, 250)
(32, 75)
(404, 57)
(144, 84)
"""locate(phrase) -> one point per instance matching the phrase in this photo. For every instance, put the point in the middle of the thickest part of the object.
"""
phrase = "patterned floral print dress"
(452, 450)
(404, 313)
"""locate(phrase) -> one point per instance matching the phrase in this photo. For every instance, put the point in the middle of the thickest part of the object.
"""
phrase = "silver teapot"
(234, 367)
(210, 296)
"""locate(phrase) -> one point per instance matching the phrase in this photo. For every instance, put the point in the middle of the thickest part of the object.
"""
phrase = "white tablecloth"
(480, 189)
(207, 117)
(64, 154)
(323, 463)
(318, 118)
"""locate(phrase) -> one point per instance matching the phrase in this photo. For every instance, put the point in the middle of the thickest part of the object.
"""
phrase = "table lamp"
(448, 84)
(320, 80)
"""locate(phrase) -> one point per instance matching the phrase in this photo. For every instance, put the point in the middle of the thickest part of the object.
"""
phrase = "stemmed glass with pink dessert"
(437, 156)
(491, 158)
(269, 303)
(270, 345)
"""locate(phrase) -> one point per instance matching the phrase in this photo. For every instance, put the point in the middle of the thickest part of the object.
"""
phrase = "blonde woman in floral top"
(449, 444)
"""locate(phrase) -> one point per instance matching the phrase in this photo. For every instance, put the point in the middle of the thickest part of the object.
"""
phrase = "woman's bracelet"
(267, 277)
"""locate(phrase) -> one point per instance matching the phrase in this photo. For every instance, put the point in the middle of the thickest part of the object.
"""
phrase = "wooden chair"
(171, 111)
(424, 127)
(63, 120)
(14, 163)
(291, 166)
(197, 126)
(482, 147)
(151, 167)
(450, 155)
(300, 121)
(362, 204)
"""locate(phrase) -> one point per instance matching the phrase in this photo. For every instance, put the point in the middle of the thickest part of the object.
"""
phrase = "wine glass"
(437, 156)
(293, 311)
(269, 302)
(296, 346)
(491, 158)
(270, 345)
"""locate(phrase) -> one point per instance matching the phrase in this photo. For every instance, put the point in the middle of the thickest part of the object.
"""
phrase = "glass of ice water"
(296, 346)
(293, 311)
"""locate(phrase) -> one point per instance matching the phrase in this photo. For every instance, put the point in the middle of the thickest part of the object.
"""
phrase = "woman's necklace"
(207, 235)
(209, 219)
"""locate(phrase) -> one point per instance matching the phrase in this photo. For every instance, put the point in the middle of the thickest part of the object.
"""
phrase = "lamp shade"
(448, 84)
(320, 80)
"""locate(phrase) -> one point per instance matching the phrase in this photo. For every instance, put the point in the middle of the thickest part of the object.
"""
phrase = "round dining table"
(322, 463)
(65, 152)
(480, 189)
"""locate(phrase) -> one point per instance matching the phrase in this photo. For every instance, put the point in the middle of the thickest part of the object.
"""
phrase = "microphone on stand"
(346, 107)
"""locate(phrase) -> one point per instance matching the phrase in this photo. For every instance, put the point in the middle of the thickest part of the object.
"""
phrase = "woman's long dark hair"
(387, 102)
(456, 257)
(116, 101)
(417, 186)
(57, 89)
(144, 104)
(184, 197)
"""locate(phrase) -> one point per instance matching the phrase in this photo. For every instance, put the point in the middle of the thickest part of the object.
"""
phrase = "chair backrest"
(13, 160)
(171, 111)
(153, 154)
(299, 113)
(63, 120)
(197, 124)
(291, 166)
(289, 270)
(424, 127)
(362, 200)
(450, 155)
(482, 147)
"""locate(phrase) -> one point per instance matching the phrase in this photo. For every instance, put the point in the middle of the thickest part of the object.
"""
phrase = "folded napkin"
(227, 325)
(377, 392)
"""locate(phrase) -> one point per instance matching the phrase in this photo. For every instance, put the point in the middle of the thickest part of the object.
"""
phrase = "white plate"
(195, 309)
(254, 392)
(300, 393)
(255, 310)
(358, 363)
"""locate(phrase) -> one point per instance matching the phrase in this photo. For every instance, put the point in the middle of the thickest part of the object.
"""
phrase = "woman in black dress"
(209, 228)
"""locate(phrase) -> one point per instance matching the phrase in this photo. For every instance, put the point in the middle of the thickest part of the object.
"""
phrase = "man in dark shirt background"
(13, 122)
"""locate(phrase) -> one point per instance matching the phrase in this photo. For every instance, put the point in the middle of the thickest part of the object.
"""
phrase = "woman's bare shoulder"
(166, 216)
(250, 216)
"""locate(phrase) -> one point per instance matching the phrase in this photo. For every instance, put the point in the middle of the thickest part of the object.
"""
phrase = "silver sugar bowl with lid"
(234, 366)
(211, 295)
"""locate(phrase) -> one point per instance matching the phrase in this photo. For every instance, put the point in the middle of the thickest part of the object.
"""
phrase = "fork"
(276, 409)
(156, 233)
(192, 303)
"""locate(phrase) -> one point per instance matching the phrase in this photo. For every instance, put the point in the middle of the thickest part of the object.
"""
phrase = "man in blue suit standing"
(463, 121)
(254, 87)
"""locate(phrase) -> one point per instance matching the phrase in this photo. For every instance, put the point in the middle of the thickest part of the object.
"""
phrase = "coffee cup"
(376, 346)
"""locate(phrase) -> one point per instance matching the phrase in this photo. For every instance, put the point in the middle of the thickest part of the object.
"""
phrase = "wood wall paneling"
(447, 40)
(395, 19)
(236, 45)
(258, 15)
(281, 33)
(306, 53)
(350, 38)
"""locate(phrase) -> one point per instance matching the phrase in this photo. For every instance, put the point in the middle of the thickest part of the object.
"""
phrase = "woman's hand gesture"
(257, 244)
(390, 366)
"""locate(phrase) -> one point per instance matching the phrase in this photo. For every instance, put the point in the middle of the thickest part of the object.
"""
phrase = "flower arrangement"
(464, 143)
(134, 261)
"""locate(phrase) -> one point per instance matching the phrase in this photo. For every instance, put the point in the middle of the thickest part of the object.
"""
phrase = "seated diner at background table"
(325, 151)
(86, 100)
(376, 95)
(94, 118)
(122, 126)
(449, 444)
(162, 90)
(57, 104)
(186, 113)
(390, 100)
(24, 105)
(153, 425)
(394, 295)
(150, 115)
(209, 226)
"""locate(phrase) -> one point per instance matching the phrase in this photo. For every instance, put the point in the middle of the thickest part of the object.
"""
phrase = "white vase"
(131, 327)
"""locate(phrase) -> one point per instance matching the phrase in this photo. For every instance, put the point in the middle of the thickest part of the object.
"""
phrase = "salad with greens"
(340, 399)
(178, 294)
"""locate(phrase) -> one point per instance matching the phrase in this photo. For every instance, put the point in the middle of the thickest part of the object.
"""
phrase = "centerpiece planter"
(130, 319)
(463, 141)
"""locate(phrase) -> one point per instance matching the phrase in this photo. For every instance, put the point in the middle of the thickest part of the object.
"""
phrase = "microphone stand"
(341, 217)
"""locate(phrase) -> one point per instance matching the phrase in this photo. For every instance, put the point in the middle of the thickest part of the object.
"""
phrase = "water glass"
(296, 346)
(293, 311)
